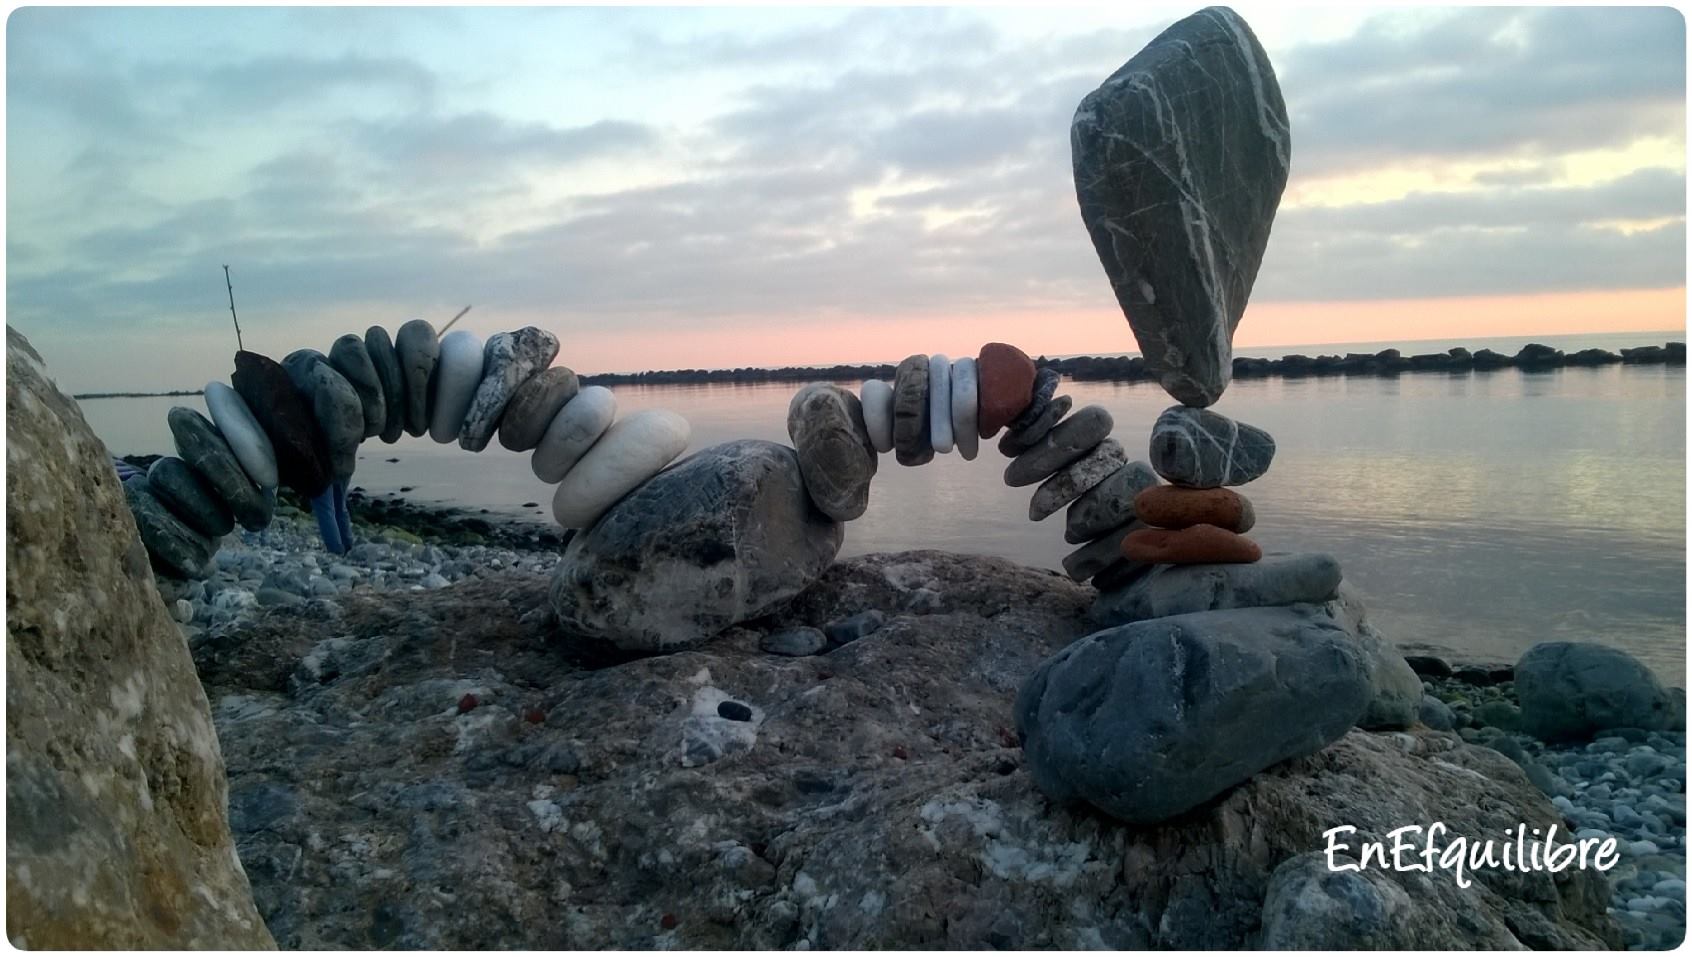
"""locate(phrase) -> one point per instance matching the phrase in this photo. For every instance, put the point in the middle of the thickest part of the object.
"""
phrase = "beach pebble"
(1005, 383)
(630, 452)
(940, 403)
(850, 629)
(572, 432)
(1199, 544)
(508, 360)
(964, 408)
(1108, 504)
(1201, 449)
(912, 442)
(175, 548)
(458, 373)
(1068, 483)
(1039, 397)
(1173, 506)
(302, 456)
(242, 431)
(1067, 442)
(349, 357)
(826, 424)
(189, 498)
(385, 360)
(418, 350)
(1098, 554)
(336, 408)
(1014, 443)
(534, 405)
(876, 397)
(794, 642)
(200, 445)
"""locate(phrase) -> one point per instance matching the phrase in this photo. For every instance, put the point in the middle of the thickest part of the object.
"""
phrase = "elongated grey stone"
(201, 445)
(189, 498)
(836, 459)
(1067, 441)
(508, 360)
(1201, 449)
(176, 549)
(1098, 554)
(534, 404)
(1045, 386)
(418, 349)
(352, 361)
(1180, 159)
(1067, 484)
(1107, 504)
(385, 361)
(1120, 573)
(912, 443)
(339, 415)
(1013, 444)
(1279, 579)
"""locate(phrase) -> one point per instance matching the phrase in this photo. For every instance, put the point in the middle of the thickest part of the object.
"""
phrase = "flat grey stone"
(418, 349)
(1150, 720)
(853, 627)
(200, 445)
(352, 361)
(1098, 554)
(1045, 386)
(385, 361)
(189, 498)
(1120, 574)
(794, 642)
(1279, 579)
(826, 424)
(1068, 441)
(1201, 449)
(1107, 504)
(1180, 158)
(508, 360)
(1067, 484)
(534, 404)
(912, 442)
(339, 413)
(175, 549)
(1013, 444)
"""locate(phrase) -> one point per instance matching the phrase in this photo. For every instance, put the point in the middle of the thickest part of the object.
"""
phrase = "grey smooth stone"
(200, 445)
(1150, 720)
(1068, 441)
(1572, 690)
(1120, 574)
(385, 361)
(299, 363)
(336, 406)
(826, 424)
(509, 359)
(1436, 714)
(1180, 158)
(1013, 444)
(1098, 554)
(851, 628)
(794, 642)
(724, 536)
(352, 361)
(1068, 484)
(175, 549)
(1278, 579)
(1312, 906)
(1107, 504)
(912, 443)
(418, 349)
(533, 405)
(1201, 449)
(1395, 690)
(1045, 386)
(189, 498)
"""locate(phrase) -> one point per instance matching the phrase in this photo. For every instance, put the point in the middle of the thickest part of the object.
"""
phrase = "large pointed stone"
(1180, 158)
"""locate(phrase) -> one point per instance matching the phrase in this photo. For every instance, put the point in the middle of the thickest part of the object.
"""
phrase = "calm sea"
(1478, 512)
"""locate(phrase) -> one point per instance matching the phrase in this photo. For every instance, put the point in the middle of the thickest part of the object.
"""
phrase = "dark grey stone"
(734, 711)
(1429, 666)
(1310, 906)
(1099, 554)
(189, 498)
(508, 360)
(794, 642)
(302, 457)
(826, 424)
(1045, 386)
(349, 357)
(419, 349)
(851, 628)
(175, 549)
(1013, 444)
(1108, 504)
(1068, 441)
(335, 407)
(1150, 720)
(913, 444)
(1279, 579)
(1201, 449)
(385, 361)
(1571, 690)
(1436, 714)
(1180, 158)
(724, 536)
(533, 406)
(1068, 483)
(1120, 574)
(202, 446)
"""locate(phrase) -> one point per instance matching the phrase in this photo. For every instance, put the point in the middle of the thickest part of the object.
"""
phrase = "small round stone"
(836, 459)
(1068, 441)
(189, 498)
(1199, 448)
(349, 357)
(419, 350)
(1040, 396)
(1013, 444)
(734, 711)
(1068, 483)
(385, 360)
(458, 372)
(241, 430)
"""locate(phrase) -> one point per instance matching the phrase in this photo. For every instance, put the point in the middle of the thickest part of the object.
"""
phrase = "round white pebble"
(572, 432)
(876, 396)
(940, 403)
(631, 451)
(458, 373)
(965, 384)
(246, 438)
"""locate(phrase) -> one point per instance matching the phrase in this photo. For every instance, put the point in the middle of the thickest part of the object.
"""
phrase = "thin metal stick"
(460, 315)
(232, 315)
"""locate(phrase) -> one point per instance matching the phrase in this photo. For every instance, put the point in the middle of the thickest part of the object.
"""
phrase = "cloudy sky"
(703, 188)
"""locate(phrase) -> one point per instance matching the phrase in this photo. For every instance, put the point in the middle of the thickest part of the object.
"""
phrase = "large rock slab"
(725, 535)
(1180, 158)
(509, 359)
(1571, 690)
(836, 458)
(1151, 720)
(116, 830)
(1279, 579)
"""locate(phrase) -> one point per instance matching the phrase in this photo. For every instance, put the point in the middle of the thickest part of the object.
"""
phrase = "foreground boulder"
(1150, 720)
(726, 535)
(1572, 690)
(1395, 690)
(116, 834)
(876, 798)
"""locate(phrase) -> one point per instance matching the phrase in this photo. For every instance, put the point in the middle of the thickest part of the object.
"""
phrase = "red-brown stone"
(1197, 545)
(1171, 506)
(1005, 386)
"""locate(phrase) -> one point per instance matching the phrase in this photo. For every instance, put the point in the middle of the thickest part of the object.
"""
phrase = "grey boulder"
(202, 446)
(509, 359)
(1395, 690)
(726, 535)
(349, 357)
(1180, 158)
(1436, 714)
(1201, 449)
(1311, 907)
(1148, 721)
(826, 424)
(419, 349)
(1572, 690)
(189, 498)
(1279, 579)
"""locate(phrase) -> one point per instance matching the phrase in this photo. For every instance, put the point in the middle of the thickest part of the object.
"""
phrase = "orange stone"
(1197, 545)
(1171, 506)
(1004, 386)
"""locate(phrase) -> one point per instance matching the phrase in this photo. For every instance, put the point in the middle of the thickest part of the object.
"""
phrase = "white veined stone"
(631, 451)
(876, 396)
(246, 438)
(940, 403)
(965, 404)
(572, 432)
(458, 373)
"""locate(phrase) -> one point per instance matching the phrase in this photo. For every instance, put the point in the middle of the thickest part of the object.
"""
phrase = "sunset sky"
(703, 188)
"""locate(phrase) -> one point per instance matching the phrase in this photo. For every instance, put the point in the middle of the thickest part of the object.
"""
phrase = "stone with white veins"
(385, 360)
(876, 396)
(349, 357)
(572, 432)
(1072, 480)
(632, 451)
(1180, 158)
(1199, 448)
(965, 388)
(1107, 504)
(419, 350)
(245, 436)
(457, 374)
(508, 360)
(1068, 441)
(1013, 444)
(940, 403)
